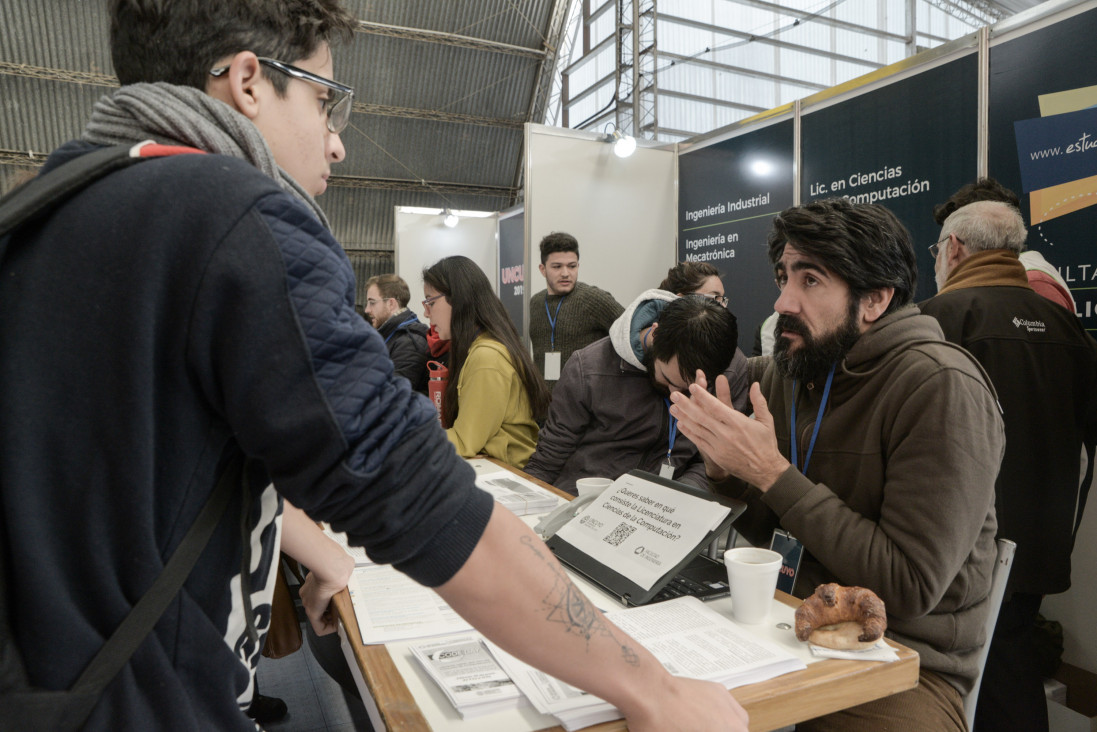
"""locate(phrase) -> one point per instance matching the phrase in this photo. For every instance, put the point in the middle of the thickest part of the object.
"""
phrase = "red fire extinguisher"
(436, 385)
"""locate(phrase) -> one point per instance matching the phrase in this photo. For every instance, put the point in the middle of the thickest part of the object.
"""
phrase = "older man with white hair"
(1044, 366)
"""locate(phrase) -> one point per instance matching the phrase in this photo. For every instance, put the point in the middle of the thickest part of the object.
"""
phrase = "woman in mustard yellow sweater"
(495, 398)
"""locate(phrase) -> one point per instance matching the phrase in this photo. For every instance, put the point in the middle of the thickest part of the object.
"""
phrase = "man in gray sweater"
(568, 314)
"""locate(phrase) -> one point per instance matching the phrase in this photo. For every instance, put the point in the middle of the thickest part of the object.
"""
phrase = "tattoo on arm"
(569, 607)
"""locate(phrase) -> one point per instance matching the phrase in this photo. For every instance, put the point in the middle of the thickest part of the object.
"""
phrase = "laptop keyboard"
(683, 586)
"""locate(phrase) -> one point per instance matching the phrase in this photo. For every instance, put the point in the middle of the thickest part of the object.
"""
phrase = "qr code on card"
(618, 535)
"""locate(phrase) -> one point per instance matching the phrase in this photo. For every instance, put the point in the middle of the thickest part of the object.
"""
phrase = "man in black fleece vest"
(1044, 367)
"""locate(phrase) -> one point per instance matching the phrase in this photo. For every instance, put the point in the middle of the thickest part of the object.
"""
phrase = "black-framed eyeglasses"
(719, 299)
(430, 301)
(936, 246)
(337, 106)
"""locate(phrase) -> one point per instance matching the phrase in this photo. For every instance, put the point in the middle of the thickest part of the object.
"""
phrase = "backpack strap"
(30, 708)
(25, 707)
(143, 617)
(41, 194)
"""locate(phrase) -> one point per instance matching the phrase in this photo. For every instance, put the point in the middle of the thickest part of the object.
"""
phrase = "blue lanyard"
(818, 421)
(673, 430)
(552, 320)
(403, 325)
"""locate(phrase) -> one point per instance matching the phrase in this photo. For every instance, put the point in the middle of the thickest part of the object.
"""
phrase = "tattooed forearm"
(569, 607)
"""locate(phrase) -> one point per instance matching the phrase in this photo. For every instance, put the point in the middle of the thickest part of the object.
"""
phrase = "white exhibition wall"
(623, 211)
(422, 239)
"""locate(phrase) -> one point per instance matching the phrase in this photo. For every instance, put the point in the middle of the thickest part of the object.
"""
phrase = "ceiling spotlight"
(451, 219)
(623, 145)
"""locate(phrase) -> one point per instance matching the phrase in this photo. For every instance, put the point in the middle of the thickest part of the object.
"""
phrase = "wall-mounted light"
(451, 219)
(761, 167)
(623, 145)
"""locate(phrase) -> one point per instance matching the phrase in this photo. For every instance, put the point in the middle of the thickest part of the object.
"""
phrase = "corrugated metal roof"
(442, 78)
(62, 34)
(443, 89)
(504, 21)
(40, 114)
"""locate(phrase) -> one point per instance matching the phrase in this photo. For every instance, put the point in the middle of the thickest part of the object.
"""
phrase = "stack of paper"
(471, 678)
(390, 606)
(361, 559)
(689, 639)
(514, 492)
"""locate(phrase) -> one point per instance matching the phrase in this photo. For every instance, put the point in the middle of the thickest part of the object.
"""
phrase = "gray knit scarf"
(183, 115)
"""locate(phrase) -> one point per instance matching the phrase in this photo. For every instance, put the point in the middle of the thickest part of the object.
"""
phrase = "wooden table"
(823, 687)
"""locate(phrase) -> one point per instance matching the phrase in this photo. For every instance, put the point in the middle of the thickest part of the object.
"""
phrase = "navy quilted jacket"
(172, 316)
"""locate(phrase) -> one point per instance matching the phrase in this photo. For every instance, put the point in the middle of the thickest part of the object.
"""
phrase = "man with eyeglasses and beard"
(387, 298)
(874, 442)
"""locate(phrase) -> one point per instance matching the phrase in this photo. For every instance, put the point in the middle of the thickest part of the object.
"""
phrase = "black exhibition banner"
(906, 146)
(1043, 145)
(512, 267)
(728, 194)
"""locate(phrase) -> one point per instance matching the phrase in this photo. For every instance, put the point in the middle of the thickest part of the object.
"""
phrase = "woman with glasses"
(494, 398)
(695, 278)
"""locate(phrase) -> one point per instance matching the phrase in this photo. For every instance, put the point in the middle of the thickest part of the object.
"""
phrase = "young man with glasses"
(223, 327)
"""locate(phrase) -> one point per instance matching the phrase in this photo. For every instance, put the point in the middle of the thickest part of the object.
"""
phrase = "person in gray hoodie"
(609, 411)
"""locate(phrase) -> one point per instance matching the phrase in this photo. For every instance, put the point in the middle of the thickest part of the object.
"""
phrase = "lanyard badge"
(552, 357)
(666, 470)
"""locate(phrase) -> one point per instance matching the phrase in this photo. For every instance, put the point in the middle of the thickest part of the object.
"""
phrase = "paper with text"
(688, 637)
(361, 559)
(468, 674)
(391, 606)
(515, 493)
(642, 529)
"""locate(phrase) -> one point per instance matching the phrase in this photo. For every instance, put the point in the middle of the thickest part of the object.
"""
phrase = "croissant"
(844, 618)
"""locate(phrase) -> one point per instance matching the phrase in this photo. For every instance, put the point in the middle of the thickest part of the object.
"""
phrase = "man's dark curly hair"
(558, 241)
(863, 243)
(984, 189)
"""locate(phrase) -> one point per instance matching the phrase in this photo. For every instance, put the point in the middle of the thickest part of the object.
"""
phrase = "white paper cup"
(593, 486)
(752, 574)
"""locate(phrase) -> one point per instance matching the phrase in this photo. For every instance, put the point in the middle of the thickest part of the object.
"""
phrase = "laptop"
(696, 574)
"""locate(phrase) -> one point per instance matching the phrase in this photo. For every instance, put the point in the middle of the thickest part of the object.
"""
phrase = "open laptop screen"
(641, 533)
